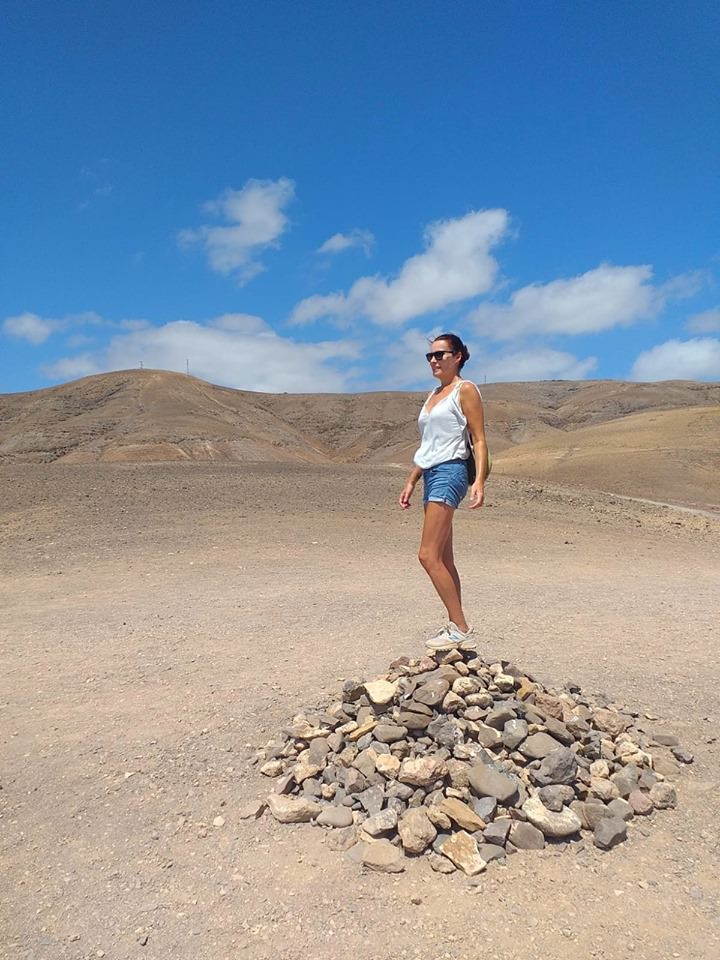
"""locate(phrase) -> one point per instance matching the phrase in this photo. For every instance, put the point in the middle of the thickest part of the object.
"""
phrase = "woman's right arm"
(407, 490)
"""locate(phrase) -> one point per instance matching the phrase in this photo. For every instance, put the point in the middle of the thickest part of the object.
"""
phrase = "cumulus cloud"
(237, 350)
(695, 359)
(255, 220)
(30, 327)
(455, 265)
(36, 329)
(339, 242)
(706, 322)
(598, 300)
(541, 363)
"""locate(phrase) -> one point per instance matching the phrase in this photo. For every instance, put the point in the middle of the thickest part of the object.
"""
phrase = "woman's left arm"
(472, 407)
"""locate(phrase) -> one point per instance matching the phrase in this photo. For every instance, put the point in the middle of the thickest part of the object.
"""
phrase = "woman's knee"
(429, 558)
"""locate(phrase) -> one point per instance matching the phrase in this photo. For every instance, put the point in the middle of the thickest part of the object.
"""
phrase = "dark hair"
(456, 345)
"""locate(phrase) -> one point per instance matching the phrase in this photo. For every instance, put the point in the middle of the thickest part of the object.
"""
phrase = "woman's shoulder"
(468, 388)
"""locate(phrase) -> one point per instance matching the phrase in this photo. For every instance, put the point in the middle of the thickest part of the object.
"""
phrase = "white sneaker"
(451, 637)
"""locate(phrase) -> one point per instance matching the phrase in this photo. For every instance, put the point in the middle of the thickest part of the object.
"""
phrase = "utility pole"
(187, 367)
(141, 364)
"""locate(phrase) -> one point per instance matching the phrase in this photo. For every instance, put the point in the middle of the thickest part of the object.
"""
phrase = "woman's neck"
(446, 383)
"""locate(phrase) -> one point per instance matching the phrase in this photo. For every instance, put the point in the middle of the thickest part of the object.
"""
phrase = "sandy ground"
(159, 622)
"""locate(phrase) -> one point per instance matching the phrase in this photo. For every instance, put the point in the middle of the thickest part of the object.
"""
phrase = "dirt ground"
(158, 623)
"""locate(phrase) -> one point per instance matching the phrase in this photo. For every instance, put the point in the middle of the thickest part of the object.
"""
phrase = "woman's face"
(448, 364)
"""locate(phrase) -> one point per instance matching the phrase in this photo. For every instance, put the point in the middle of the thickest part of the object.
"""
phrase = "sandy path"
(159, 622)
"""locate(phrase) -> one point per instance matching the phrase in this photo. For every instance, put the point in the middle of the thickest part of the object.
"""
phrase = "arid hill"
(658, 440)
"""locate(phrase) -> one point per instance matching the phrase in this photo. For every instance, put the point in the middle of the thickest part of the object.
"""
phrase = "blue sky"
(294, 196)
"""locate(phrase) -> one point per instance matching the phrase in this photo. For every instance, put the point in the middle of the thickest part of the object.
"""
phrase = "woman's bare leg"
(436, 529)
(449, 560)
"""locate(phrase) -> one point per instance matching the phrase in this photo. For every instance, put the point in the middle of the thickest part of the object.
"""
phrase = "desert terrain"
(160, 621)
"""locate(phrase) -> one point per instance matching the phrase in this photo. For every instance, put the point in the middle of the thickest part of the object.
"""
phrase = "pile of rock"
(465, 761)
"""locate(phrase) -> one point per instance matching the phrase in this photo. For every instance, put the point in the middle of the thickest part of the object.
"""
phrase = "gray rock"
(609, 832)
(445, 732)
(440, 864)
(490, 852)
(557, 729)
(433, 692)
(484, 807)
(499, 716)
(555, 797)
(487, 782)
(372, 799)
(626, 780)
(489, 737)
(666, 739)
(381, 822)
(334, 817)
(414, 721)
(538, 745)
(514, 732)
(497, 832)
(525, 836)
(559, 766)
(389, 732)
(621, 809)
(683, 755)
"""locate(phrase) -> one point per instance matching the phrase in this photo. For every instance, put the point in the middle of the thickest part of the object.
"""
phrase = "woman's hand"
(405, 494)
(477, 494)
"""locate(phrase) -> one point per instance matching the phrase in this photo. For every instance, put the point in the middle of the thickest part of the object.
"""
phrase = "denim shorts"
(446, 483)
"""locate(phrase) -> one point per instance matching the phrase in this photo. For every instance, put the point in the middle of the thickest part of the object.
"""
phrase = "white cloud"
(706, 322)
(237, 350)
(598, 300)
(541, 363)
(455, 266)
(30, 327)
(339, 242)
(255, 219)
(695, 359)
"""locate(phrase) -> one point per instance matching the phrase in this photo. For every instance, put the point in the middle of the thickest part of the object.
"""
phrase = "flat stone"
(550, 705)
(525, 836)
(552, 824)
(422, 772)
(432, 693)
(389, 732)
(416, 830)
(539, 745)
(484, 807)
(683, 755)
(301, 729)
(342, 838)
(292, 809)
(252, 810)
(625, 780)
(609, 832)
(462, 850)
(367, 726)
(335, 817)
(380, 692)
(663, 796)
(414, 721)
(514, 733)
(273, 768)
(383, 857)
(452, 703)
(491, 851)
(666, 739)
(462, 814)
(487, 782)
(591, 812)
(641, 803)
(381, 822)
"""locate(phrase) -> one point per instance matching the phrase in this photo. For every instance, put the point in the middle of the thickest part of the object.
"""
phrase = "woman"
(452, 413)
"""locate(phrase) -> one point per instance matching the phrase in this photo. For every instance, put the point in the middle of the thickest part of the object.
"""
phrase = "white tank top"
(443, 431)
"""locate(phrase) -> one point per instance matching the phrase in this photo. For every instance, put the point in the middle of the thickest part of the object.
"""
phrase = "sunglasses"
(437, 355)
